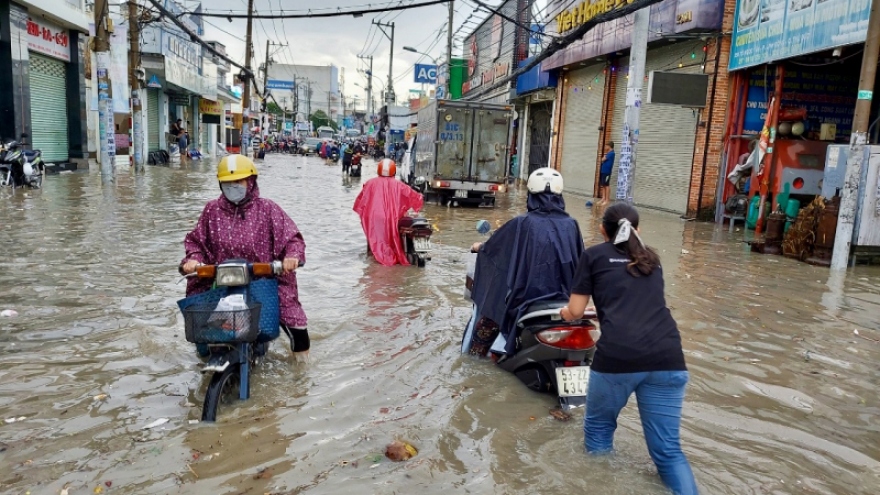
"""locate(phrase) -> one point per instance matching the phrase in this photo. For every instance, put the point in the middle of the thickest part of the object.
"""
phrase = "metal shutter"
(580, 140)
(667, 132)
(48, 85)
(152, 120)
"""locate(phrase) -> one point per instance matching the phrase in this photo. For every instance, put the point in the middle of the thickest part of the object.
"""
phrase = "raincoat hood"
(253, 194)
(531, 258)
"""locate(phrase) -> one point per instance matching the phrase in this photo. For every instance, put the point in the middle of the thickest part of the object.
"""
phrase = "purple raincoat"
(257, 230)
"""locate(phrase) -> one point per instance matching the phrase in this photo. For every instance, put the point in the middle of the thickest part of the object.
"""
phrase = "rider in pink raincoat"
(241, 224)
(382, 202)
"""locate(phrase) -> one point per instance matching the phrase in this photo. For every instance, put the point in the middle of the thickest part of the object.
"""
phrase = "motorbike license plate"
(421, 244)
(572, 381)
(461, 193)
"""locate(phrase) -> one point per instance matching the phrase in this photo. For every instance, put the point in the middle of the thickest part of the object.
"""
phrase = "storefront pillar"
(15, 108)
(77, 111)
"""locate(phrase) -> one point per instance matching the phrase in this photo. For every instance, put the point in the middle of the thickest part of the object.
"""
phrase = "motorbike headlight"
(232, 276)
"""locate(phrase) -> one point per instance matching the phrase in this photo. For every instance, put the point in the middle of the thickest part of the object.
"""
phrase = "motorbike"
(20, 167)
(334, 156)
(232, 326)
(552, 356)
(355, 169)
(415, 234)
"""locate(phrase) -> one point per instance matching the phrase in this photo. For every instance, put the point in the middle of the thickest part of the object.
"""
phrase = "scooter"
(355, 170)
(20, 167)
(415, 234)
(232, 326)
(552, 355)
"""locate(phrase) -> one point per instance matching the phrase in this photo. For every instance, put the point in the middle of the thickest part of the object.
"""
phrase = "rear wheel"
(222, 391)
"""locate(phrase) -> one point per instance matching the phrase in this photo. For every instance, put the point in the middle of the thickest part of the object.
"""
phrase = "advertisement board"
(279, 84)
(772, 30)
(425, 74)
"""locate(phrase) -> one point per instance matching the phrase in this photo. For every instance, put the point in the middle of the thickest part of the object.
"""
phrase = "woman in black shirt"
(640, 349)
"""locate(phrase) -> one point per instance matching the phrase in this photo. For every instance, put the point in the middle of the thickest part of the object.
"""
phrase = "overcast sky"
(339, 40)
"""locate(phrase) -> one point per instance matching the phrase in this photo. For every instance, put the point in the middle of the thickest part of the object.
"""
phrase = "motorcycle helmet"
(387, 168)
(235, 167)
(545, 180)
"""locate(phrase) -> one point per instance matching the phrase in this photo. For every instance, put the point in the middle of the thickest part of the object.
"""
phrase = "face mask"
(234, 192)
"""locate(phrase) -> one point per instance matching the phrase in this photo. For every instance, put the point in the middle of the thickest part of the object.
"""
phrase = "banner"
(772, 30)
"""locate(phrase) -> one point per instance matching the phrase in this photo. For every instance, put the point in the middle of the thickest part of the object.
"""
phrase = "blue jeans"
(659, 395)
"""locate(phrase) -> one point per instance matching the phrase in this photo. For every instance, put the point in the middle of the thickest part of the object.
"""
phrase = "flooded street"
(782, 399)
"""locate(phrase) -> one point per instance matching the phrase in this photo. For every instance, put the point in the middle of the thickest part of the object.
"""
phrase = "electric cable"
(310, 15)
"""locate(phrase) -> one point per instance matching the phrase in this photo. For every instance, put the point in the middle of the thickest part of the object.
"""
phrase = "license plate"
(422, 244)
(572, 381)
(461, 193)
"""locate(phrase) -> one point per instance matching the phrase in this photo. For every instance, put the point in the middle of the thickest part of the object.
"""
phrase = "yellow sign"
(208, 107)
(684, 17)
(586, 11)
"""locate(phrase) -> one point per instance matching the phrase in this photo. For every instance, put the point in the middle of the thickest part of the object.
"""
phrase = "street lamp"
(411, 49)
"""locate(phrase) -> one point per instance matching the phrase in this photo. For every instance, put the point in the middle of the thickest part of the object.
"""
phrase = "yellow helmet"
(235, 167)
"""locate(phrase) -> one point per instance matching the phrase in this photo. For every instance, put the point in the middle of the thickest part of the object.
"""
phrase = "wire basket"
(204, 325)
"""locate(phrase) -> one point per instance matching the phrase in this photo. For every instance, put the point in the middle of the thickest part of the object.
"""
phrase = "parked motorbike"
(355, 170)
(552, 355)
(232, 326)
(415, 234)
(20, 167)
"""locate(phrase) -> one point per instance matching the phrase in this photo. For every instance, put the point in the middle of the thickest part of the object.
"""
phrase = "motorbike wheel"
(223, 389)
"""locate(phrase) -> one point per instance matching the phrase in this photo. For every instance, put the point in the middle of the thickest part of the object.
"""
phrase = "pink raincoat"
(257, 230)
(382, 202)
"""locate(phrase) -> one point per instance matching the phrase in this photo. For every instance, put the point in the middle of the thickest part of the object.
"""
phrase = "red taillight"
(443, 183)
(573, 338)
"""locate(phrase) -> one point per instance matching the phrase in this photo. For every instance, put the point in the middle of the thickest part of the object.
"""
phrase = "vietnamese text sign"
(209, 107)
(769, 30)
(48, 39)
(425, 74)
(278, 84)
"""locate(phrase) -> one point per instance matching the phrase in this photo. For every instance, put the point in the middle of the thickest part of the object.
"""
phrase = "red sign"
(48, 39)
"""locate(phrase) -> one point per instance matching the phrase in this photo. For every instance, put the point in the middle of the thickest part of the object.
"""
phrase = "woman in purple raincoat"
(241, 224)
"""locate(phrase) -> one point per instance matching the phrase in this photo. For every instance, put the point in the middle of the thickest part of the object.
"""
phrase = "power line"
(509, 19)
(339, 13)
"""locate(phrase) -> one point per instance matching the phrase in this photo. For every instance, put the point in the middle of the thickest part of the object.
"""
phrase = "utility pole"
(389, 91)
(246, 97)
(626, 176)
(106, 125)
(369, 86)
(309, 98)
(448, 87)
(858, 141)
(134, 63)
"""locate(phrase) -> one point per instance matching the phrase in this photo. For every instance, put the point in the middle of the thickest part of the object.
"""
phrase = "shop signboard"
(667, 18)
(425, 74)
(48, 39)
(279, 84)
(770, 30)
(210, 107)
(182, 75)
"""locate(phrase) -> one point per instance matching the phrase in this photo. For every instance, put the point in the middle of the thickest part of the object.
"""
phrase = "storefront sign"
(773, 30)
(425, 74)
(667, 17)
(154, 82)
(279, 84)
(182, 75)
(828, 98)
(209, 107)
(182, 100)
(487, 77)
(48, 39)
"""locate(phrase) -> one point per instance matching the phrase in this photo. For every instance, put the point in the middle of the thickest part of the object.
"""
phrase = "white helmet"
(545, 180)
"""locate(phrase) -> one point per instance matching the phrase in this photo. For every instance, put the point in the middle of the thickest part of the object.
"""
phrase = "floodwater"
(783, 394)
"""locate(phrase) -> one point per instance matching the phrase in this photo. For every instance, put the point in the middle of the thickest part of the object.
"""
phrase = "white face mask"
(233, 191)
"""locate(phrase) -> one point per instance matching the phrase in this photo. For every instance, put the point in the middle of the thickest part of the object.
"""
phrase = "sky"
(339, 40)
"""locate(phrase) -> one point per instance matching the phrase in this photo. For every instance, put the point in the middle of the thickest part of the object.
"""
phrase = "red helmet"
(387, 168)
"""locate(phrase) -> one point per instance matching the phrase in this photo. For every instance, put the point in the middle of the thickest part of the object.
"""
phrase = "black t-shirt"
(638, 331)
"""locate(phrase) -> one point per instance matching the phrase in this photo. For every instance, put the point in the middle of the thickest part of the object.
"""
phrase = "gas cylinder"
(826, 229)
(773, 236)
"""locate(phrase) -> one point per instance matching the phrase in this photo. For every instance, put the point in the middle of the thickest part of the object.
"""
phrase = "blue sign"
(154, 82)
(426, 74)
(535, 35)
(277, 84)
(769, 30)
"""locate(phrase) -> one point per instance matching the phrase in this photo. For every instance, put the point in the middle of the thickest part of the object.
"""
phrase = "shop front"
(685, 39)
(42, 73)
(536, 91)
(795, 72)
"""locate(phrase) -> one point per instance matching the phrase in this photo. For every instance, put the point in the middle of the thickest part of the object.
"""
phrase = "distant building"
(307, 88)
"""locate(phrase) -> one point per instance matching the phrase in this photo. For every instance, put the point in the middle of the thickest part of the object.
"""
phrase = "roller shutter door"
(153, 120)
(667, 132)
(580, 138)
(48, 86)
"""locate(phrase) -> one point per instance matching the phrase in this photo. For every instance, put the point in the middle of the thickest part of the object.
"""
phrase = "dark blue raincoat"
(531, 258)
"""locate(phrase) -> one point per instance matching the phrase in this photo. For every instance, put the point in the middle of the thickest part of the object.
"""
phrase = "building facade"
(307, 88)
(42, 71)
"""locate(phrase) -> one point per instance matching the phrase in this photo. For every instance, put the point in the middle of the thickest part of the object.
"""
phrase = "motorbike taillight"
(576, 338)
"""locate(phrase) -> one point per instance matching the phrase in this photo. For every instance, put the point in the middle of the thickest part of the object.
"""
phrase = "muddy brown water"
(783, 395)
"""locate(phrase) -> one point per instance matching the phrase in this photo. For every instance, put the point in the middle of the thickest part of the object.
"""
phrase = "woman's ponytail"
(621, 221)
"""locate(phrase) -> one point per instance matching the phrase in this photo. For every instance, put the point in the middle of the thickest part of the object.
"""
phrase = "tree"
(319, 118)
(273, 108)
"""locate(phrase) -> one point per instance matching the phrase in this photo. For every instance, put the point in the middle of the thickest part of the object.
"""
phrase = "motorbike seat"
(413, 223)
(545, 306)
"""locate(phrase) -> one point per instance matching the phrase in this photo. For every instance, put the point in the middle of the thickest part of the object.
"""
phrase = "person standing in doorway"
(605, 173)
